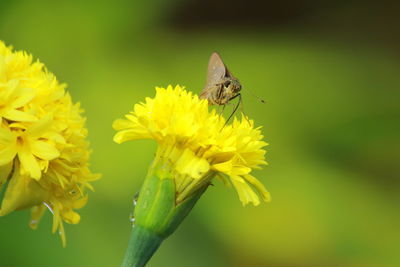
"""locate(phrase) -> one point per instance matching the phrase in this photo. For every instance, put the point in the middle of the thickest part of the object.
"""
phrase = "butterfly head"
(232, 87)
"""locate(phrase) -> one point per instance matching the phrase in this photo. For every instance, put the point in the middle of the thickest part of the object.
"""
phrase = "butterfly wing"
(216, 70)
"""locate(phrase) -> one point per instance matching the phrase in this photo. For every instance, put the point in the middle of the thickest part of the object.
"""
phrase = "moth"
(221, 86)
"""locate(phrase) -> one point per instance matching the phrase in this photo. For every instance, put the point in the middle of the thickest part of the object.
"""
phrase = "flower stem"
(142, 245)
(157, 214)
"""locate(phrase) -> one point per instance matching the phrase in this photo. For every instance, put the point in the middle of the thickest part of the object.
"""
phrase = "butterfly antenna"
(253, 95)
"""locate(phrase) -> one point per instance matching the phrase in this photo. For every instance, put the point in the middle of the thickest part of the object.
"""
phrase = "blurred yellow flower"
(197, 143)
(43, 149)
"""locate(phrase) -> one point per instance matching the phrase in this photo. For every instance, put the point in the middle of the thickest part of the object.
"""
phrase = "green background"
(329, 72)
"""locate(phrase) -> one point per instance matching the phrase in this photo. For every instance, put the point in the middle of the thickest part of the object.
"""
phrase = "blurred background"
(329, 72)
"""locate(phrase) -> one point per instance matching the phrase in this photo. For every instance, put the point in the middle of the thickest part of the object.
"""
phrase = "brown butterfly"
(221, 86)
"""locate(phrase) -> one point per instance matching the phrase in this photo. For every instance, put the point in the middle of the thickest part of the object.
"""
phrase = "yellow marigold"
(43, 148)
(197, 143)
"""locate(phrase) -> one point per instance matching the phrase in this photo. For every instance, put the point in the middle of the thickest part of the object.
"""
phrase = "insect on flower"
(221, 86)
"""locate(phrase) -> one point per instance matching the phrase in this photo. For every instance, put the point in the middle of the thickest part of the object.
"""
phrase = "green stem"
(157, 214)
(142, 245)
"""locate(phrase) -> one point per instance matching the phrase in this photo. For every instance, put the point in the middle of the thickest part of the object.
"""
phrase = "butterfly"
(221, 86)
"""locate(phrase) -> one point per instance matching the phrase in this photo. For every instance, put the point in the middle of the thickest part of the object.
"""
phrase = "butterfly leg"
(235, 108)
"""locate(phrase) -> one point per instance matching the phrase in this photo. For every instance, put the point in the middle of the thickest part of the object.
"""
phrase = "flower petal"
(225, 167)
(131, 134)
(40, 127)
(70, 216)
(29, 163)
(189, 164)
(6, 136)
(25, 95)
(17, 115)
(121, 124)
(7, 154)
(44, 150)
(245, 192)
(259, 187)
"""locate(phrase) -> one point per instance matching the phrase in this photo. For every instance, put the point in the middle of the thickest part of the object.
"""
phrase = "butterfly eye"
(227, 83)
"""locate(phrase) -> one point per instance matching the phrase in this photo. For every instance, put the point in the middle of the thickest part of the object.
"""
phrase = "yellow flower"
(44, 153)
(33, 145)
(196, 144)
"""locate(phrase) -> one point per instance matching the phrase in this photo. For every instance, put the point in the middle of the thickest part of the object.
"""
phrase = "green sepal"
(156, 207)
(156, 201)
(157, 215)
(181, 211)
